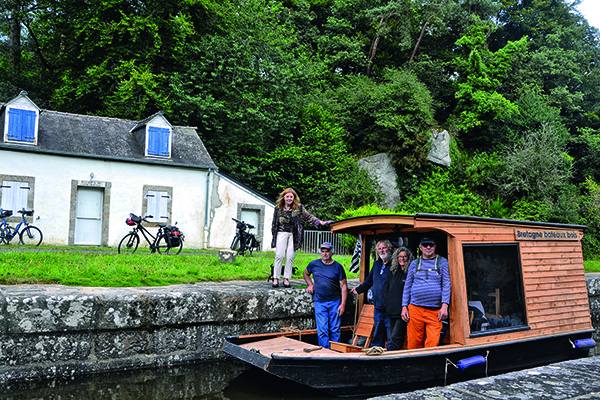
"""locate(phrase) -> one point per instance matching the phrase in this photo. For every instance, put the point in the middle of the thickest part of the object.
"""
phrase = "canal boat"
(519, 300)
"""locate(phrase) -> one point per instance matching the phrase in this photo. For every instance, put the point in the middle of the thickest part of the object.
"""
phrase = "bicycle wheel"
(164, 248)
(31, 236)
(7, 236)
(236, 243)
(129, 243)
(248, 245)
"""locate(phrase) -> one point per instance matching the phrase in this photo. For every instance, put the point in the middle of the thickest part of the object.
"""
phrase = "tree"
(393, 116)
(536, 166)
(319, 167)
(563, 56)
(480, 74)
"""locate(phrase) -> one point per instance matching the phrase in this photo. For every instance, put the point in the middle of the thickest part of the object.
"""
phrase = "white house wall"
(54, 176)
(228, 198)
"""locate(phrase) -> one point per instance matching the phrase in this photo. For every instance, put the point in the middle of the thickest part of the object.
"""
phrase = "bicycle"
(4, 226)
(168, 239)
(244, 241)
(29, 235)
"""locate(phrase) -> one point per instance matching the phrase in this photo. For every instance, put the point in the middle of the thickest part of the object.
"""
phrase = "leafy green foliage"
(349, 241)
(585, 149)
(325, 175)
(393, 115)
(367, 209)
(590, 216)
(439, 194)
(481, 73)
(516, 83)
(536, 168)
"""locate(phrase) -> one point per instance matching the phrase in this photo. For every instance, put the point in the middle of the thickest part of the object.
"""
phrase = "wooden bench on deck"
(364, 327)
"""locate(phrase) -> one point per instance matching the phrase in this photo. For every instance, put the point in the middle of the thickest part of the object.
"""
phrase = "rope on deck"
(374, 351)
(292, 328)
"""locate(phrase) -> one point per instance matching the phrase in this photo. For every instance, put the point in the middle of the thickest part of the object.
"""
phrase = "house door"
(88, 220)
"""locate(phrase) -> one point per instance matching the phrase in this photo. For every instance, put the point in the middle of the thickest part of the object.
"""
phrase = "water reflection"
(231, 380)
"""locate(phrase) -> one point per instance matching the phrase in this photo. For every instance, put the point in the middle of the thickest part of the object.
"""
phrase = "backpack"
(436, 269)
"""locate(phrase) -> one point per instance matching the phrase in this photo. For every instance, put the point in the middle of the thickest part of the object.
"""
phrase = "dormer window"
(21, 117)
(159, 143)
(155, 136)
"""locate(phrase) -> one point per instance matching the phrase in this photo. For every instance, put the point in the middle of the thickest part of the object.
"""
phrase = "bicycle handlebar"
(245, 223)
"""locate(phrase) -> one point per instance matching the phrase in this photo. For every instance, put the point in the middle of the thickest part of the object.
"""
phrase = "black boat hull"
(361, 376)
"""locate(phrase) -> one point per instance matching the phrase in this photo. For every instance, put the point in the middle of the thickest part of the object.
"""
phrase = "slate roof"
(109, 138)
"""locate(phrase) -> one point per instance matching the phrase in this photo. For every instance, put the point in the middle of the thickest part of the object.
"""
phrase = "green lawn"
(592, 265)
(104, 267)
(93, 266)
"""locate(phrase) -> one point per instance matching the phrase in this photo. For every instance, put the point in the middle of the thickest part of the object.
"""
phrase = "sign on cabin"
(545, 235)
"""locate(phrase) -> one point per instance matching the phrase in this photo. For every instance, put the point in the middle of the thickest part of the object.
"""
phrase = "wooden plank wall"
(553, 277)
(555, 287)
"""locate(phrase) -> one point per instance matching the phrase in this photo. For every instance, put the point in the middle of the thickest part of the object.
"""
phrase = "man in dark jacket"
(376, 280)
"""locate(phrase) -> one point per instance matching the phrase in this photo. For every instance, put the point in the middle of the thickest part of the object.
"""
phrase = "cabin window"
(494, 288)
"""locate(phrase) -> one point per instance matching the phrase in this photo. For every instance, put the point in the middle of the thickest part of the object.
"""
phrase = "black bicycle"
(168, 239)
(244, 240)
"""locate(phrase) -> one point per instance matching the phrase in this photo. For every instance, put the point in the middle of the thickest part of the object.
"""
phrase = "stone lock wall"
(51, 331)
(58, 331)
(593, 285)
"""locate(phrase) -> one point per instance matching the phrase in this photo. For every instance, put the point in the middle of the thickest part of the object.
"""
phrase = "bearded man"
(376, 282)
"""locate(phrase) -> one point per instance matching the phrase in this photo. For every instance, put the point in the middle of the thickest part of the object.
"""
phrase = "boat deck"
(289, 347)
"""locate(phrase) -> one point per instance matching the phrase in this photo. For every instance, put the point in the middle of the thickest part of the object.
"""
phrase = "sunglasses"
(426, 245)
(326, 250)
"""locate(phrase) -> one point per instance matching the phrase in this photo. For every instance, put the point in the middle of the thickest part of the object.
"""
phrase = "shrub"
(438, 194)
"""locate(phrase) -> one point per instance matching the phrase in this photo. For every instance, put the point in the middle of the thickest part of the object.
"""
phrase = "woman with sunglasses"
(426, 297)
(394, 287)
(288, 233)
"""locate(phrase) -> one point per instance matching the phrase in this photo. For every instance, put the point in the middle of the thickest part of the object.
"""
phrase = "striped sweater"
(427, 288)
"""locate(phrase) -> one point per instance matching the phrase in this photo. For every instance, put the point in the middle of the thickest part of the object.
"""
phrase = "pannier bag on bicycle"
(173, 235)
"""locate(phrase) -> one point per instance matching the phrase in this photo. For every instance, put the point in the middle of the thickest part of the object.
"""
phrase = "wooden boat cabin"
(510, 279)
(518, 300)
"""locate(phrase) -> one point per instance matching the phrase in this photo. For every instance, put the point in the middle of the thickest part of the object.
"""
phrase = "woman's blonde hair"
(395, 264)
(281, 200)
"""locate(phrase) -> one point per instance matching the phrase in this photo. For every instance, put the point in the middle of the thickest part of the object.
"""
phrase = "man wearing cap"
(426, 297)
(329, 291)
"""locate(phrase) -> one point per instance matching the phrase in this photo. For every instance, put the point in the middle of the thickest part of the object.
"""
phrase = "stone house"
(83, 175)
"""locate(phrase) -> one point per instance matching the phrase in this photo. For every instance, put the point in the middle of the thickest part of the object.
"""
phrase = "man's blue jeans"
(382, 328)
(328, 321)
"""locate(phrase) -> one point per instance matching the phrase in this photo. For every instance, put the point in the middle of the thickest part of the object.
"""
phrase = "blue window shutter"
(28, 126)
(14, 123)
(158, 141)
(21, 125)
(164, 143)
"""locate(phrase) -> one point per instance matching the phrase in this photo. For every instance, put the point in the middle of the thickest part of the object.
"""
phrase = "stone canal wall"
(50, 331)
(59, 331)
(593, 284)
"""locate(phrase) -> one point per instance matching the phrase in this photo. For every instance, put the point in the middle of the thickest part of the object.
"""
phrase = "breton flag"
(355, 264)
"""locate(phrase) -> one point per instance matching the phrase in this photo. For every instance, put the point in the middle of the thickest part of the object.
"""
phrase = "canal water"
(231, 380)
